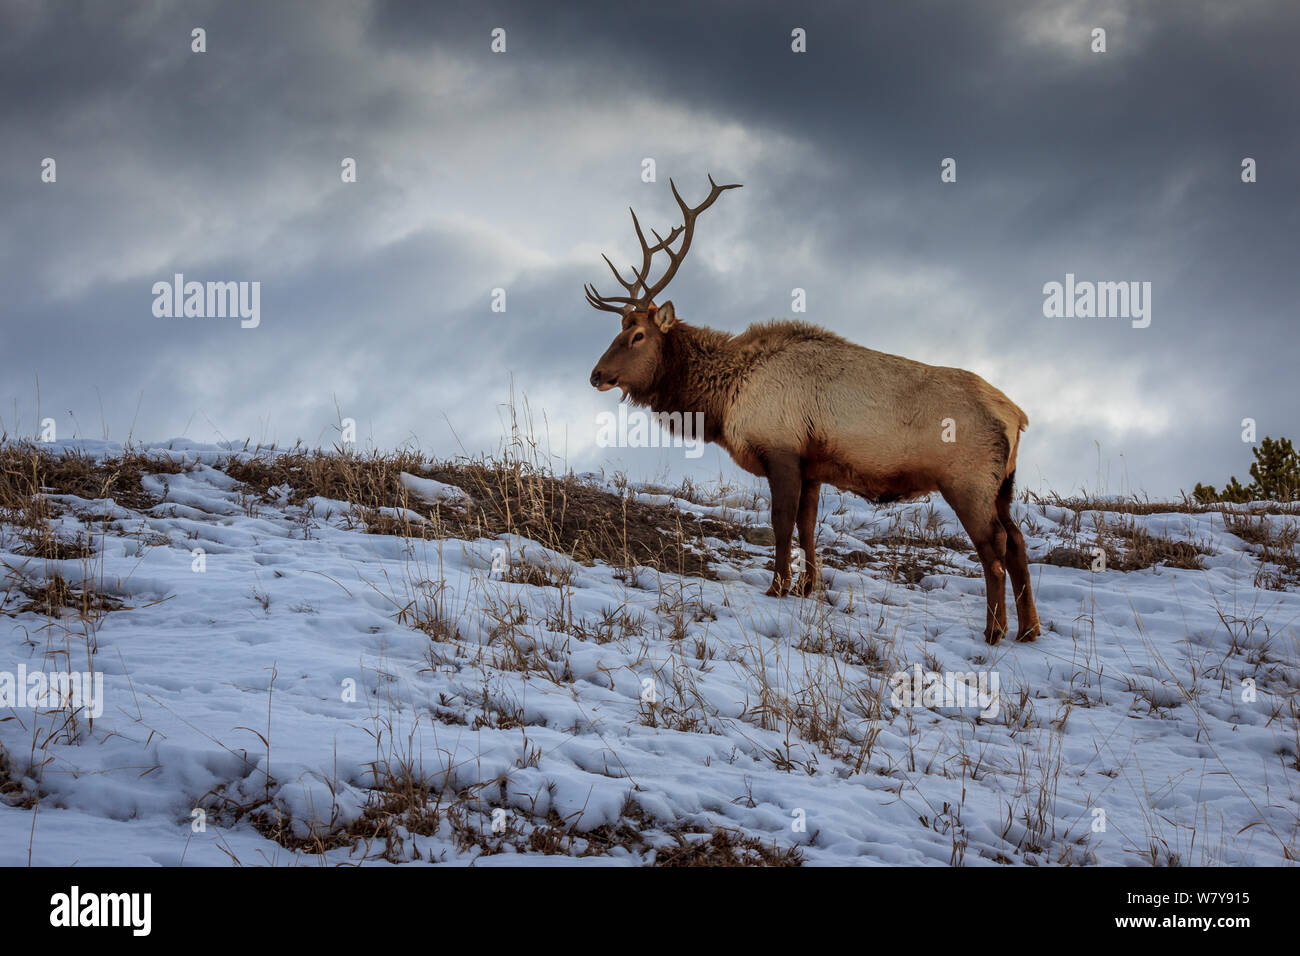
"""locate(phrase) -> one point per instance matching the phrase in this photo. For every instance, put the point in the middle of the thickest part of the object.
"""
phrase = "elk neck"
(698, 372)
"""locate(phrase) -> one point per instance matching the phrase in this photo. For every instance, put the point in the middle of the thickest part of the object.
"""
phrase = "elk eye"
(638, 337)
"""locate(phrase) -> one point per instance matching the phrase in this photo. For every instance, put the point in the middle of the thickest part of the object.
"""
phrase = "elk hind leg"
(784, 479)
(1027, 625)
(977, 512)
(810, 579)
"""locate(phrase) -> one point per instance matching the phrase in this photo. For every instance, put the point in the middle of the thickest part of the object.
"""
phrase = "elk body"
(801, 406)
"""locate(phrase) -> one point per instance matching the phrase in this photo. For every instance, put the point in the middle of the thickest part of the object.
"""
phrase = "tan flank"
(801, 406)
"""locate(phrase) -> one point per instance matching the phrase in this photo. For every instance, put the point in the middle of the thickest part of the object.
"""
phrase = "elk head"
(632, 360)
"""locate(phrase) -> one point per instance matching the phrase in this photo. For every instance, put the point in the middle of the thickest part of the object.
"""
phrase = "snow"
(227, 678)
(434, 492)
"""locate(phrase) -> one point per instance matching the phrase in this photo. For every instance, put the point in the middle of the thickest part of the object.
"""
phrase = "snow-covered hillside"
(282, 686)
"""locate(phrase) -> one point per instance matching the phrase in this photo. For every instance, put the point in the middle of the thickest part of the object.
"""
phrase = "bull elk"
(801, 406)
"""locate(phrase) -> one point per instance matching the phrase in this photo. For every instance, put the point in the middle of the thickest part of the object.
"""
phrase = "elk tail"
(1015, 423)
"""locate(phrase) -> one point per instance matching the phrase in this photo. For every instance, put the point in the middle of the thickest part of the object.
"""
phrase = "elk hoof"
(1029, 634)
(993, 634)
(776, 589)
(807, 586)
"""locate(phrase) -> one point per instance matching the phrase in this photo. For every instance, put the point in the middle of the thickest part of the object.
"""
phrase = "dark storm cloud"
(480, 171)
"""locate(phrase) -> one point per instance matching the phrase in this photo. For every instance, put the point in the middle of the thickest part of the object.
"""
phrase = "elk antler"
(611, 303)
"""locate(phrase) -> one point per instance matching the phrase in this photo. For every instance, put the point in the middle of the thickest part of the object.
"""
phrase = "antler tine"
(610, 303)
(597, 301)
(614, 298)
(672, 237)
(631, 287)
(647, 254)
(687, 231)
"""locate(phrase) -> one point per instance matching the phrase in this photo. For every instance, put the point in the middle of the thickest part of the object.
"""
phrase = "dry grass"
(508, 496)
(1127, 546)
(1275, 545)
(914, 546)
(611, 624)
(1130, 547)
(404, 803)
(54, 597)
(30, 477)
(29, 473)
(12, 791)
(1145, 506)
(727, 848)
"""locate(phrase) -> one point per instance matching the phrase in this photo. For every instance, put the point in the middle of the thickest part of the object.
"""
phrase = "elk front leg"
(810, 580)
(785, 481)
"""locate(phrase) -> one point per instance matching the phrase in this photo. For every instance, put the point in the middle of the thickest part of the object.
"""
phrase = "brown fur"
(801, 406)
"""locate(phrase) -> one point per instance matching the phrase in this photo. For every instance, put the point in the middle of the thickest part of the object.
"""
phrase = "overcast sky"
(479, 170)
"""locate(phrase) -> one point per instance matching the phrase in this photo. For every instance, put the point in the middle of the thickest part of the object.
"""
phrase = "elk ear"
(665, 317)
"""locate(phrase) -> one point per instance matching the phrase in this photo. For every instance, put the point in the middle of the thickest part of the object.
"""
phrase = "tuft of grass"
(1142, 549)
(13, 793)
(727, 848)
(1128, 547)
(1275, 545)
(54, 596)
